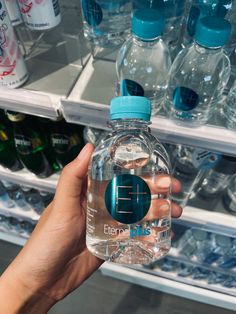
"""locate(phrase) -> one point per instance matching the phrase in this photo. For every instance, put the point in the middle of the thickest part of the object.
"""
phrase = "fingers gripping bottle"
(199, 74)
(128, 207)
(40, 14)
(143, 62)
(13, 72)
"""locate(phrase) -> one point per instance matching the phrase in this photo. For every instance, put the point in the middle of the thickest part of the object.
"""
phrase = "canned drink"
(13, 71)
(14, 12)
(40, 14)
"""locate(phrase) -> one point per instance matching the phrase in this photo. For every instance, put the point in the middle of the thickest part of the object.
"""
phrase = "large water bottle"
(228, 110)
(219, 8)
(199, 74)
(174, 13)
(128, 209)
(106, 22)
(143, 61)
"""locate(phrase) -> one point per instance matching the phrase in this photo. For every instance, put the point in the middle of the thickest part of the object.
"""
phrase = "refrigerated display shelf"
(88, 104)
(24, 177)
(12, 238)
(161, 283)
(17, 212)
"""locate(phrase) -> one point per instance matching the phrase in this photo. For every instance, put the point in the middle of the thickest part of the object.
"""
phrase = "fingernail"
(165, 207)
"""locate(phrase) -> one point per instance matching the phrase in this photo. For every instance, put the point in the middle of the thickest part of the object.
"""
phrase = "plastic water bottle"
(13, 72)
(143, 61)
(199, 74)
(34, 199)
(5, 201)
(218, 178)
(229, 196)
(174, 13)
(106, 22)
(229, 109)
(93, 135)
(205, 8)
(40, 14)
(46, 197)
(189, 167)
(128, 209)
(14, 12)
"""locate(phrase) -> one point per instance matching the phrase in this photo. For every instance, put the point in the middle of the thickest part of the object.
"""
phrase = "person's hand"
(55, 260)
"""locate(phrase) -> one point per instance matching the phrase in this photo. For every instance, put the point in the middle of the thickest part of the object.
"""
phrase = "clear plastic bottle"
(93, 135)
(199, 74)
(218, 178)
(14, 12)
(143, 62)
(174, 13)
(229, 109)
(5, 201)
(229, 197)
(13, 71)
(40, 14)
(189, 167)
(34, 199)
(128, 210)
(106, 22)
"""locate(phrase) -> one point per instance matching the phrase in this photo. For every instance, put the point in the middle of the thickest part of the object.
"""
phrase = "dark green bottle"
(30, 144)
(8, 154)
(67, 141)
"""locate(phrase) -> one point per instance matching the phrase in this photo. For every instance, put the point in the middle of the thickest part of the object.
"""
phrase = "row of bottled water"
(190, 89)
(16, 226)
(23, 198)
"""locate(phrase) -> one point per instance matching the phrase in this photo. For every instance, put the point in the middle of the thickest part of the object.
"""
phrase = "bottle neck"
(203, 50)
(146, 42)
(129, 124)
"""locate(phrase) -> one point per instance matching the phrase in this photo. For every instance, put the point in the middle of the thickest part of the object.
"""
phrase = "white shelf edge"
(77, 109)
(24, 177)
(12, 238)
(169, 286)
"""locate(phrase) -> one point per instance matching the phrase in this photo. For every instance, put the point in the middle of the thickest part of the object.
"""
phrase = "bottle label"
(26, 145)
(185, 99)
(63, 143)
(92, 12)
(205, 160)
(128, 198)
(131, 88)
(56, 7)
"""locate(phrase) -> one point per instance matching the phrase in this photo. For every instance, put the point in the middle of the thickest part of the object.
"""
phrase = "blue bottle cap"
(212, 32)
(147, 23)
(130, 107)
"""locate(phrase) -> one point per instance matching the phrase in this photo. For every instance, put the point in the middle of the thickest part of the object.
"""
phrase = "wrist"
(15, 298)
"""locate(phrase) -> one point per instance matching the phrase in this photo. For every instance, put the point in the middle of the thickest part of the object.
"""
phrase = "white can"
(40, 14)
(14, 12)
(13, 72)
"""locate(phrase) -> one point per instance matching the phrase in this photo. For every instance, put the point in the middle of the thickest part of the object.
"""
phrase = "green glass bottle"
(8, 154)
(30, 144)
(66, 140)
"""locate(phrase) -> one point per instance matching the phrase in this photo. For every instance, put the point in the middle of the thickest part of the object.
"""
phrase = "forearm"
(17, 299)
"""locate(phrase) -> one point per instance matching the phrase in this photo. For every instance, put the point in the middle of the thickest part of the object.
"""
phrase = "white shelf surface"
(12, 238)
(169, 286)
(24, 177)
(88, 104)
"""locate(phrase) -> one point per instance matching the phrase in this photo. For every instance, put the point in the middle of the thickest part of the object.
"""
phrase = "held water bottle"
(106, 22)
(228, 111)
(14, 12)
(13, 72)
(40, 14)
(199, 74)
(143, 61)
(128, 209)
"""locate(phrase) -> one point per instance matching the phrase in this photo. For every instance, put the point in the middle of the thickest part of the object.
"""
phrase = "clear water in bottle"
(199, 74)
(128, 209)
(228, 110)
(106, 22)
(229, 197)
(143, 62)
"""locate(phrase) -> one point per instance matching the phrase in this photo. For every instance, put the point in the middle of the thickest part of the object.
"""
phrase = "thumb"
(70, 185)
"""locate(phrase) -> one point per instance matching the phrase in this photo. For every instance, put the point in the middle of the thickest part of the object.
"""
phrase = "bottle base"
(131, 252)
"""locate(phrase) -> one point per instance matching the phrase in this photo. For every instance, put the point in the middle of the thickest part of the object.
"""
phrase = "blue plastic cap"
(212, 32)
(147, 23)
(130, 107)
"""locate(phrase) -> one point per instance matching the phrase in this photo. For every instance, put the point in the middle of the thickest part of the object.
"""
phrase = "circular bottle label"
(131, 88)
(185, 99)
(128, 198)
(92, 12)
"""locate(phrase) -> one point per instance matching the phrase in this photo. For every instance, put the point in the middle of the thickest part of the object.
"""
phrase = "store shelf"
(24, 177)
(12, 238)
(88, 105)
(169, 286)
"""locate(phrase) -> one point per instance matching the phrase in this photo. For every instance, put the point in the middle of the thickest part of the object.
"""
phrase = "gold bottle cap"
(15, 116)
